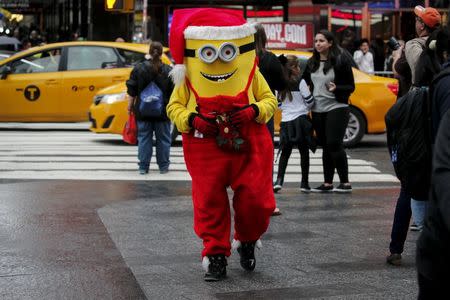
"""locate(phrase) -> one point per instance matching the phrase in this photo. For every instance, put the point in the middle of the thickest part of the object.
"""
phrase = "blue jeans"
(418, 208)
(145, 143)
(400, 226)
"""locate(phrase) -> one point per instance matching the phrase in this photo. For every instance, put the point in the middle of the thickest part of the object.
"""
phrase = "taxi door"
(89, 69)
(31, 92)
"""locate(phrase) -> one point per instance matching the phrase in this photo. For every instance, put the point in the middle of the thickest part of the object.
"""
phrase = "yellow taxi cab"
(370, 101)
(56, 82)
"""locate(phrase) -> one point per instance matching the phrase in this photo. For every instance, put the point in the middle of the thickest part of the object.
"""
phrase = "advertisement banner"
(289, 35)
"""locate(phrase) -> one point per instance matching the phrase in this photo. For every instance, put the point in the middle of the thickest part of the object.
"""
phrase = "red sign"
(289, 35)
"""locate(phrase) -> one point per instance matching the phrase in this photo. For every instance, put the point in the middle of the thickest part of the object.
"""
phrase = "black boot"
(217, 268)
(247, 253)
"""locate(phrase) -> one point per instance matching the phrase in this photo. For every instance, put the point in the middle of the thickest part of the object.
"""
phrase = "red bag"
(129, 132)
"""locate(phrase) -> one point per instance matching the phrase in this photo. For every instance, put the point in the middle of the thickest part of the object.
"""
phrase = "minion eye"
(208, 54)
(227, 52)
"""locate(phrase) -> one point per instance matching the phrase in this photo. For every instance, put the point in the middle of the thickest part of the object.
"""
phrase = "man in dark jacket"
(433, 246)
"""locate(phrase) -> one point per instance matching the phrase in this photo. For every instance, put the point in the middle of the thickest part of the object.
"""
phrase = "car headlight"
(112, 98)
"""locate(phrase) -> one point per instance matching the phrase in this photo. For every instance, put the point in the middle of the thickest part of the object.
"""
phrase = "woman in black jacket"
(329, 74)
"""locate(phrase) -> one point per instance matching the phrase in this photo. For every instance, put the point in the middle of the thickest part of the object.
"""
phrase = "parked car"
(369, 103)
(56, 82)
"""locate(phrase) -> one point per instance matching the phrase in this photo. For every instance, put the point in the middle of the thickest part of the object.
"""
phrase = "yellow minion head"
(215, 52)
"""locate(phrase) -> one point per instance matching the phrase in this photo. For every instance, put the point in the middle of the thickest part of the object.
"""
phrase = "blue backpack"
(152, 102)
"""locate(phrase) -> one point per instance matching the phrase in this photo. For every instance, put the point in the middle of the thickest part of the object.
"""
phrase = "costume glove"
(203, 125)
(244, 115)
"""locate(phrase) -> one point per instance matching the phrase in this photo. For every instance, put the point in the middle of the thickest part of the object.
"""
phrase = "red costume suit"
(227, 153)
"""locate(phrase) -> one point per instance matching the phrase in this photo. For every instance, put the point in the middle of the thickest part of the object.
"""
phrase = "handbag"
(152, 102)
(129, 133)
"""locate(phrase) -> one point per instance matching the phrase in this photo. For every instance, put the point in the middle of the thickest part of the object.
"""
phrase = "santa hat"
(203, 24)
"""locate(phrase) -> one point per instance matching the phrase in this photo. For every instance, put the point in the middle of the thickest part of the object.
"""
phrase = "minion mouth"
(218, 78)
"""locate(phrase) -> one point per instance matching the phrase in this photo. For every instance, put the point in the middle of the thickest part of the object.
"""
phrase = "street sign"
(289, 35)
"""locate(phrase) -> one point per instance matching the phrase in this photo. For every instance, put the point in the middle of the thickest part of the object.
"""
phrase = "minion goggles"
(226, 52)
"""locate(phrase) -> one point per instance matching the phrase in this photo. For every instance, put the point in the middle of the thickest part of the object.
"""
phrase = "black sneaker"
(343, 188)
(394, 259)
(304, 188)
(277, 186)
(323, 189)
(217, 268)
(247, 253)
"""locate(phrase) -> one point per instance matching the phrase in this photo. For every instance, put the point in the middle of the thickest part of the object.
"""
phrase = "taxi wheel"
(355, 129)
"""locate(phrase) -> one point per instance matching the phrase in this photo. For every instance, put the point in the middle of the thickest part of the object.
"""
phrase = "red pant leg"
(253, 200)
(208, 167)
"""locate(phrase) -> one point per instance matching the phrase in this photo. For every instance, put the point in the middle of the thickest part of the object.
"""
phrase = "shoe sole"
(321, 191)
(396, 262)
(306, 191)
(214, 279)
(277, 188)
(342, 191)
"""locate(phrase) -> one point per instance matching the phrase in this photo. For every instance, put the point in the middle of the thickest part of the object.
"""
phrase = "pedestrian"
(330, 76)
(364, 58)
(152, 70)
(119, 40)
(433, 245)
(221, 104)
(439, 92)
(427, 20)
(272, 71)
(295, 128)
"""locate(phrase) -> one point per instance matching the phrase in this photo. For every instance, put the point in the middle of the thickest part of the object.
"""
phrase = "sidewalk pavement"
(134, 240)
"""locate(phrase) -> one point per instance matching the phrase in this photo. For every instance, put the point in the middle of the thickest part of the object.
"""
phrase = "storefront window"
(346, 24)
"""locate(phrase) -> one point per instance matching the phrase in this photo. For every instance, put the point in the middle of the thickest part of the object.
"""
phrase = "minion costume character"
(220, 104)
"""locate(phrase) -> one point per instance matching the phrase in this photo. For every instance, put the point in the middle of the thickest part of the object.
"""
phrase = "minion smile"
(218, 78)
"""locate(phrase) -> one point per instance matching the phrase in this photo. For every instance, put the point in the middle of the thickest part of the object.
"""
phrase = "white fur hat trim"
(219, 32)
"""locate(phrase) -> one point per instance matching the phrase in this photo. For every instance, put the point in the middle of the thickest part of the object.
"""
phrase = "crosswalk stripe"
(87, 156)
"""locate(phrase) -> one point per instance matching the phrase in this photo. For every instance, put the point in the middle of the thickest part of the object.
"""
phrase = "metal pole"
(144, 20)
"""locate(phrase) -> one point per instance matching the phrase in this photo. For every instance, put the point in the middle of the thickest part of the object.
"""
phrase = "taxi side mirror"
(6, 71)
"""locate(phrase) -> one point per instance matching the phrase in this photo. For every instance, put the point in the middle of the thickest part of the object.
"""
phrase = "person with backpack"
(295, 128)
(410, 153)
(329, 75)
(151, 78)
(439, 90)
(433, 245)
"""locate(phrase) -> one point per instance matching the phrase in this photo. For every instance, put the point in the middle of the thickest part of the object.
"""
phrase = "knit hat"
(430, 16)
(203, 24)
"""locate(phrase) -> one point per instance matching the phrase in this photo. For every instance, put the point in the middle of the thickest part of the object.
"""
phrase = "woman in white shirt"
(295, 127)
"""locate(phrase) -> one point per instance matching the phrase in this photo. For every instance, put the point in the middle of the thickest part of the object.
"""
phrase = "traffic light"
(114, 5)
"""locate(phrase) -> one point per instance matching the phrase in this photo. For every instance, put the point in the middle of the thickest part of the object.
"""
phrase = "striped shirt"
(302, 101)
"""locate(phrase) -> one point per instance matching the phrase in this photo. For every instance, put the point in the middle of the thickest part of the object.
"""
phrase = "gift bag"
(129, 133)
